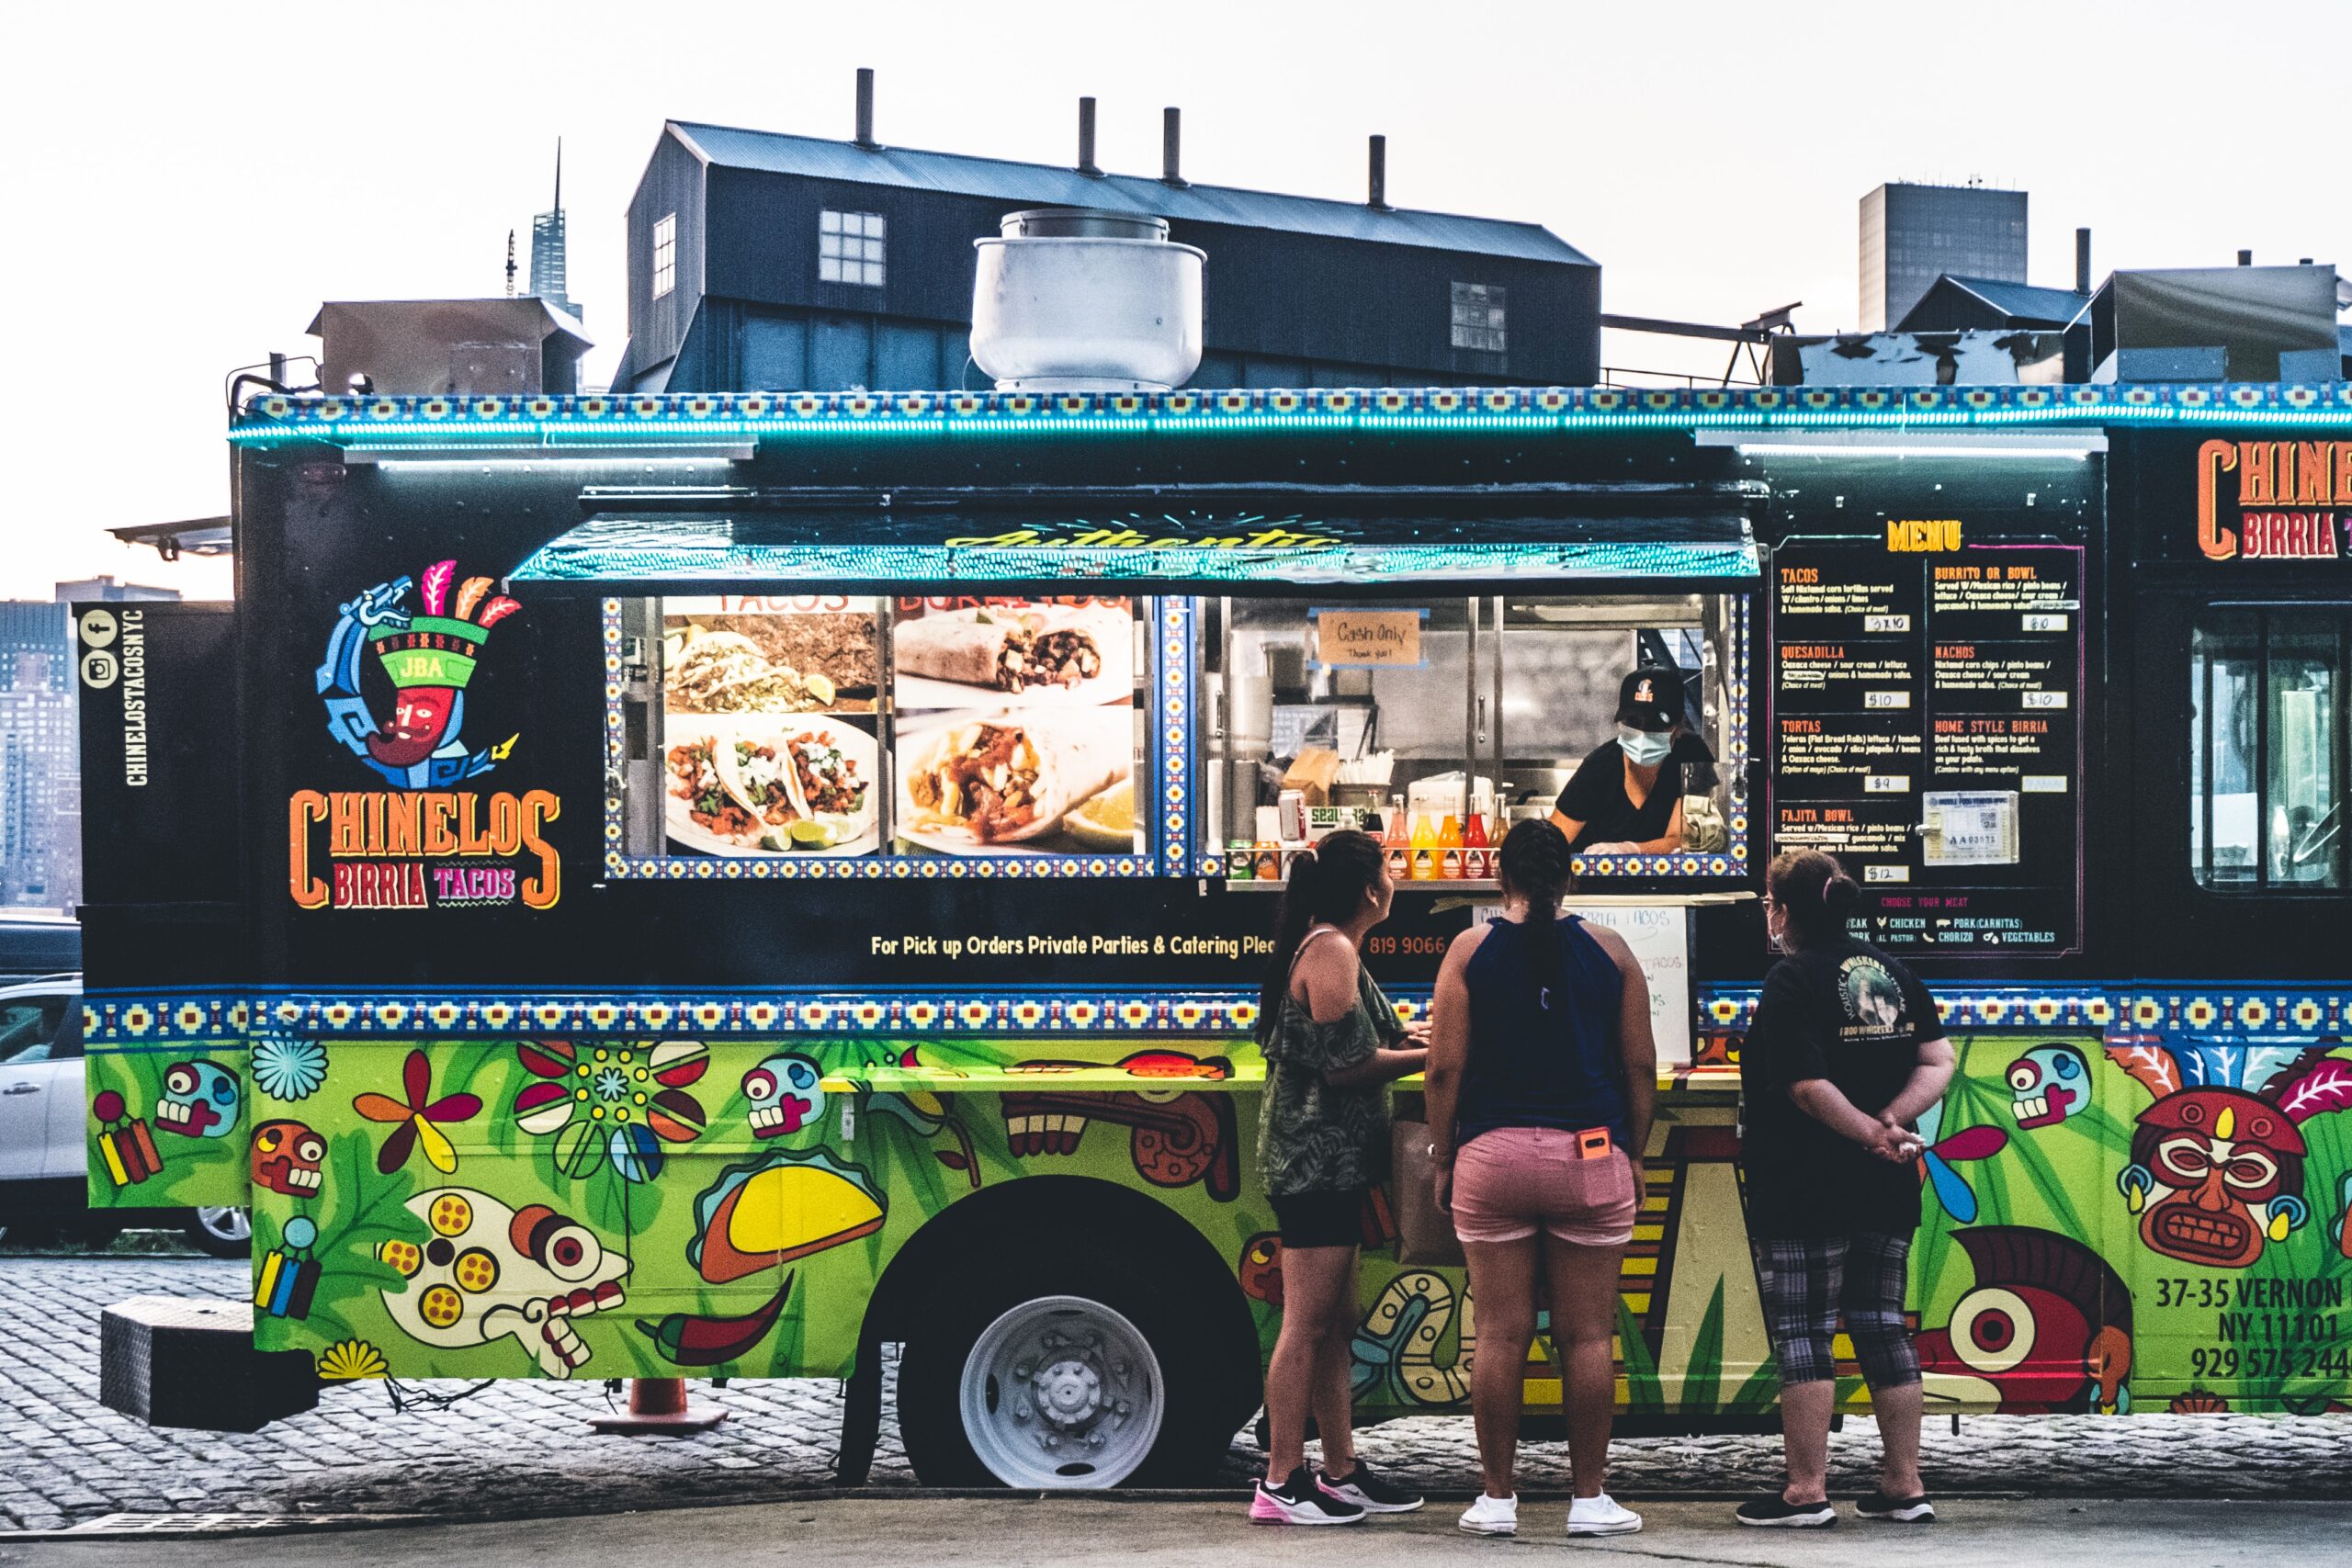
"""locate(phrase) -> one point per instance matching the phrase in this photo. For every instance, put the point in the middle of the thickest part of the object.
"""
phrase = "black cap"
(1650, 698)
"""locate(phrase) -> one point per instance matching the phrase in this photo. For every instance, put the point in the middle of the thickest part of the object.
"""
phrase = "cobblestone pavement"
(522, 1448)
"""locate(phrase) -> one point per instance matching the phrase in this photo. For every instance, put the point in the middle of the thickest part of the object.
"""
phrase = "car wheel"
(222, 1232)
(1058, 1377)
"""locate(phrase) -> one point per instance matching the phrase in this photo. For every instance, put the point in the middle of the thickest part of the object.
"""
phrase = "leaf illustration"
(2152, 1065)
(1702, 1378)
(1759, 1393)
(2326, 1085)
(436, 588)
(1643, 1393)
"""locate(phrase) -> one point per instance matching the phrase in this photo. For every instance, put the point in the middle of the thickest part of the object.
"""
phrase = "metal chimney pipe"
(1171, 142)
(1086, 138)
(2245, 258)
(2082, 261)
(865, 108)
(1379, 198)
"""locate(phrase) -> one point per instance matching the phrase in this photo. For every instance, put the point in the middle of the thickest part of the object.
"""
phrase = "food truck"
(714, 885)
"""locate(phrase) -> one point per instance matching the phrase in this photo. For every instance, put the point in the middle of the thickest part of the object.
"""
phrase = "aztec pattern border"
(703, 416)
(1172, 680)
(131, 1020)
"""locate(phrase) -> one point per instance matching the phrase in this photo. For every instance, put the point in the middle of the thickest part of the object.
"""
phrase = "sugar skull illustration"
(1177, 1138)
(430, 658)
(2049, 1084)
(784, 1095)
(199, 1100)
(488, 1272)
(287, 1159)
(1260, 1269)
(2047, 1327)
(2216, 1164)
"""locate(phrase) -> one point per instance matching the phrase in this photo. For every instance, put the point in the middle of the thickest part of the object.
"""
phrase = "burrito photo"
(1012, 648)
(1010, 777)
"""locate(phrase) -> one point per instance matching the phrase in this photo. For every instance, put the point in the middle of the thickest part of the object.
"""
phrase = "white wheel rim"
(1062, 1393)
(227, 1225)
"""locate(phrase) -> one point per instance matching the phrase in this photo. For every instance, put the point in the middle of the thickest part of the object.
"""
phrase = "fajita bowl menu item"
(1009, 777)
(1012, 648)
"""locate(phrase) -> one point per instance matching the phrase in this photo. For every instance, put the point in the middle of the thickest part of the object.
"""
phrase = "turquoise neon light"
(556, 423)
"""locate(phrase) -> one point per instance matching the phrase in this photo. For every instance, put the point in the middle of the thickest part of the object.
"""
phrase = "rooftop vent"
(1067, 299)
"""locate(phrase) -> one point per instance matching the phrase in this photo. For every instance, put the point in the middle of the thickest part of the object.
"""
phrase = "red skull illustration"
(2216, 1159)
(420, 718)
(285, 1158)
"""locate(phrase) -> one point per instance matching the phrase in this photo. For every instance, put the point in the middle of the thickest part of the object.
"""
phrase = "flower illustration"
(417, 1120)
(347, 1360)
(287, 1069)
(615, 1103)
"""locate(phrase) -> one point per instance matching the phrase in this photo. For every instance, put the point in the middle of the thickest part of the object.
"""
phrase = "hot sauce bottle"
(1477, 856)
(1449, 848)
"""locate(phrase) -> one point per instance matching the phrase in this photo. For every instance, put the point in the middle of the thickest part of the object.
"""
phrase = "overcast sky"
(185, 183)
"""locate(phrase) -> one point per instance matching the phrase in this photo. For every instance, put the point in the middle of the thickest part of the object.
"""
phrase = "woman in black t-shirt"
(1625, 797)
(1843, 1055)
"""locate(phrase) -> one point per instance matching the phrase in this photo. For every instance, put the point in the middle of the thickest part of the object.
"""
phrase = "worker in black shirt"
(1844, 1054)
(1625, 797)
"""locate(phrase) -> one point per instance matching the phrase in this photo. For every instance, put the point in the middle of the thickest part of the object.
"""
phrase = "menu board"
(1926, 731)
(1015, 726)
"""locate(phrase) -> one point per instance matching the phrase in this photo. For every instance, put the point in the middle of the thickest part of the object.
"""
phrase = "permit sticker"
(1969, 827)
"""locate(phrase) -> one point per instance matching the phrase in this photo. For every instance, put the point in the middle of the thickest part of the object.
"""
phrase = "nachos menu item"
(1007, 777)
(1011, 648)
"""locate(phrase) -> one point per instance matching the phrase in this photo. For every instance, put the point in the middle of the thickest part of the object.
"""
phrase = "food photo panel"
(1013, 653)
(1018, 781)
(742, 653)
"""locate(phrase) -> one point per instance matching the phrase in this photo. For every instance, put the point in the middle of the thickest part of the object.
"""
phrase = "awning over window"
(1182, 552)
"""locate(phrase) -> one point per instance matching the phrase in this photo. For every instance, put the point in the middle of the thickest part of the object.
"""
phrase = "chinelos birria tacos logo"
(388, 848)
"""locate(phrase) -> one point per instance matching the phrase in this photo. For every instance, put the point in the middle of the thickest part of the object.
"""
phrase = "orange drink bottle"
(1449, 848)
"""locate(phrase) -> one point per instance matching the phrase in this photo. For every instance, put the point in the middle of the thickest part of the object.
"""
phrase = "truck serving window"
(773, 731)
(2266, 748)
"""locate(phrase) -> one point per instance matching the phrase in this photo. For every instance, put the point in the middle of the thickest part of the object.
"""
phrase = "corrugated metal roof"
(2024, 299)
(1039, 184)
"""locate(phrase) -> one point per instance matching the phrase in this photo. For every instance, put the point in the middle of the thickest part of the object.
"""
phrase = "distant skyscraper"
(40, 781)
(547, 248)
(1914, 234)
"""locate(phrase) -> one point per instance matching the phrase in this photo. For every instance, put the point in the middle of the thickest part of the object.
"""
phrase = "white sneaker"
(1492, 1516)
(1601, 1516)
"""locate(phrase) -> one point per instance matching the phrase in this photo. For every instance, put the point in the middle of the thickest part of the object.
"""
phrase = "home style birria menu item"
(718, 926)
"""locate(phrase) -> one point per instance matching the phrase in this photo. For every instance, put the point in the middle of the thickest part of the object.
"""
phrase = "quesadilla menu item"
(1012, 648)
(1006, 778)
(715, 672)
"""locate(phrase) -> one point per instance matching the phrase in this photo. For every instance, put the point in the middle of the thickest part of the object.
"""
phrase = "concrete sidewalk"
(937, 1532)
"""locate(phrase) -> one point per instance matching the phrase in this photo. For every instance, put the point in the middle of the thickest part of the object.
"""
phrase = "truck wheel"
(222, 1232)
(1071, 1374)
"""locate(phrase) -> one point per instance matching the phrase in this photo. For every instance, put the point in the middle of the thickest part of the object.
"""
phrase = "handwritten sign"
(1368, 637)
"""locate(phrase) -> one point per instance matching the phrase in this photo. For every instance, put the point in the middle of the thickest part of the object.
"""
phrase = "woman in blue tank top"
(1540, 1076)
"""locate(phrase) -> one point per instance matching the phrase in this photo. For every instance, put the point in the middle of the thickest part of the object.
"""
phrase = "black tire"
(1201, 1382)
(213, 1231)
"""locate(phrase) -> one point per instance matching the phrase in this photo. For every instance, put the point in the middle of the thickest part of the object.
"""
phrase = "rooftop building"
(1912, 234)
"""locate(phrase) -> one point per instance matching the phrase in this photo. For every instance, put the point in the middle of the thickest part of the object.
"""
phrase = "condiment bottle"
(1449, 848)
(1478, 853)
(1424, 847)
(1394, 840)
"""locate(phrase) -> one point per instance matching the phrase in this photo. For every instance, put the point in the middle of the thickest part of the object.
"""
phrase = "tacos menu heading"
(421, 849)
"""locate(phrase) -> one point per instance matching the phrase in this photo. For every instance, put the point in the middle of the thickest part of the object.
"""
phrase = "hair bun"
(1840, 894)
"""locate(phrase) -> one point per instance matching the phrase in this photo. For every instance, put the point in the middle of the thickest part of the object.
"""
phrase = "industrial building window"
(849, 248)
(665, 256)
(2267, 760)
(1478, 316)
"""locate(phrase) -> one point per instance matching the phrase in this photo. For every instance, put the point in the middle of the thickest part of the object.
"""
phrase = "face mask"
(1642, 748)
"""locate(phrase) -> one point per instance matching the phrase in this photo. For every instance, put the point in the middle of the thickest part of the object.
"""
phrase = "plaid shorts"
(1808, 1283)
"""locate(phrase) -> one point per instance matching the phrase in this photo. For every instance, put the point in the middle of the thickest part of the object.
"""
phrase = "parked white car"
(42, 1115)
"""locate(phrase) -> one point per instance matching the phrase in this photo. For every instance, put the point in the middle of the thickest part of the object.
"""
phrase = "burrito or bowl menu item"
(1010, 777)
(1012, 648)
(722, 672)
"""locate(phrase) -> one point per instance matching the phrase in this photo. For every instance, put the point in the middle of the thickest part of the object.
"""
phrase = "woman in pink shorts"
(1540, 1076)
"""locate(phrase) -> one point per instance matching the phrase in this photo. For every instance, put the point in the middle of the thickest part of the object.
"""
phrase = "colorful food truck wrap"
(720, 929)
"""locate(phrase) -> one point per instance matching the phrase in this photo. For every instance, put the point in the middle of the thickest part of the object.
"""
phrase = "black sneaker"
(1775, 1512)
(1370, 1493)
(1908, 1511)
(1300, 1501)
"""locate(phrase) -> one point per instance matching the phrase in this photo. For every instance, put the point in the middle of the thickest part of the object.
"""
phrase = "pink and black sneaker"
(1300, 1501)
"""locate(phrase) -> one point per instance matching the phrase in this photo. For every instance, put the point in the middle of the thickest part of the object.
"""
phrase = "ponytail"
(1327, 883)
(1533, 863)
(1814, 891)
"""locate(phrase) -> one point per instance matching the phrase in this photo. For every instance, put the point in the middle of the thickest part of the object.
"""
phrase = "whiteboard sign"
(1660, 938)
